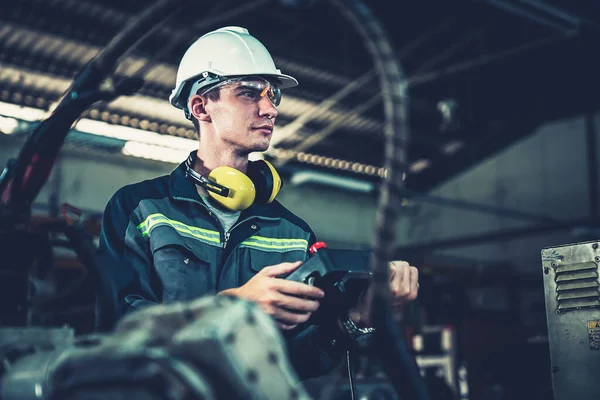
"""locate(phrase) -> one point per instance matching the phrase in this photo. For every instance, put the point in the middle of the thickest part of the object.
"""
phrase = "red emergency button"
(316, 246)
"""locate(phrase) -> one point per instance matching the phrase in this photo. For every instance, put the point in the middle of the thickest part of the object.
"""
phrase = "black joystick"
(341, 274)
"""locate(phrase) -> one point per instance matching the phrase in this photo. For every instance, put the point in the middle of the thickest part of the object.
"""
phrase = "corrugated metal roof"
(481, 64)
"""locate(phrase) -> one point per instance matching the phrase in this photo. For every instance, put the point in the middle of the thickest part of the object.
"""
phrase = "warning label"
(594, 334)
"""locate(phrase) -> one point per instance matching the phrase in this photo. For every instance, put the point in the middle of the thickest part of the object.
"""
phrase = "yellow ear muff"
(241, 189)
(276, 185)
(266, 180)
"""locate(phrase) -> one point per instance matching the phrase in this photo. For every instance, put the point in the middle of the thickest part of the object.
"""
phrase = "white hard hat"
(225, 52)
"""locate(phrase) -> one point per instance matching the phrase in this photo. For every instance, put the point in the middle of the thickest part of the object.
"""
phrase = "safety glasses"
(252, 87)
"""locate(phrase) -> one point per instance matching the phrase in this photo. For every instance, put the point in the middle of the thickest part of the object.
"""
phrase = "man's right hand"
(290, 303)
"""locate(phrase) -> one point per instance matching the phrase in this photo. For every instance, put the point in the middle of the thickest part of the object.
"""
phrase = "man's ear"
(197, 107)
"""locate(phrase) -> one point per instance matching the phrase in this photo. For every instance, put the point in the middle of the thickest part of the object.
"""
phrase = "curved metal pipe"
(390, 344)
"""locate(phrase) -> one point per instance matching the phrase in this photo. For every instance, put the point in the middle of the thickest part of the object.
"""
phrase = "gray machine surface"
(572, 293)
(212, 348)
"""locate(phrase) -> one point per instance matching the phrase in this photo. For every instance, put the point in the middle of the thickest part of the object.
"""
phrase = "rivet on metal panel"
(230, 338)
(273, 357)
(294, 394)
(252, 376)
(188, 315)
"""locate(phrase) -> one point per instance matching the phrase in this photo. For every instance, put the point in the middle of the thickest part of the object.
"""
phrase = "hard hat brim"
(287, 81)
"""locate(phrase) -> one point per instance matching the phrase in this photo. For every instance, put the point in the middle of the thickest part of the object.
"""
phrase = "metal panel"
(572, 293)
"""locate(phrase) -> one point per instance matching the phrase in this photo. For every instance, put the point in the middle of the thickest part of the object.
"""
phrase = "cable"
(351, 375)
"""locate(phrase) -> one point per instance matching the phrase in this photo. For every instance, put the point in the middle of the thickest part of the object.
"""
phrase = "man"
(172, 238)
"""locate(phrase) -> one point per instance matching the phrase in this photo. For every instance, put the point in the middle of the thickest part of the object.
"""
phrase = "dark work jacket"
(160, 243)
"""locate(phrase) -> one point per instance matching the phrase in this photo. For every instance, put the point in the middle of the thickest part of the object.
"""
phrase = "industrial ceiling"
(481, 74)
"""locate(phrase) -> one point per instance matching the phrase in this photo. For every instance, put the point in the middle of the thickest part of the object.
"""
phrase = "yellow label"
(594, 334)
(593, 324)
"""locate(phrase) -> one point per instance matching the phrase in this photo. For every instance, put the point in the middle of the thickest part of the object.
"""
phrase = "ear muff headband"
(206, 183)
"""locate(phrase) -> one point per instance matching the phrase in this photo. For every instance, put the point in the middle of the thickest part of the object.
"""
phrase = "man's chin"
(260, 147)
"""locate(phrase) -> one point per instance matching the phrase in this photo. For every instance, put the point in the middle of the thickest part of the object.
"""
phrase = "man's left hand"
(404, 286)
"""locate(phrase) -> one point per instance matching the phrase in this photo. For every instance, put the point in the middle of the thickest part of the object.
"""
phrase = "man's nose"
(267, 108)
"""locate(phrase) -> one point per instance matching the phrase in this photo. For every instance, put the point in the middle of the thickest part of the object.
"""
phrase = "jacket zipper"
(226, 239)
(223, 258)
(226, 236)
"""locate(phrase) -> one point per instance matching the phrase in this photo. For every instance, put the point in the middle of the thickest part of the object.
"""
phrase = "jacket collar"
(183, 187)
(180, 186)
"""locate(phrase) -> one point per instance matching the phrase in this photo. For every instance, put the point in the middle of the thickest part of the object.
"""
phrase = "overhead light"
(101, 128)
(132, 134)
(8, 125)
(20, 112)
(138, 142)
(419, 166)
(448, 110)
(452, 147)
(341, 182)
(154, 152)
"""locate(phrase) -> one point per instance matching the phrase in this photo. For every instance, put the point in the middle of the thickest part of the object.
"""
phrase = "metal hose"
(390, 344)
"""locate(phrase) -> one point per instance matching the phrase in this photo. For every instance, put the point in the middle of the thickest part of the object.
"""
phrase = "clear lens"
(260, 86)
(275, 96)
